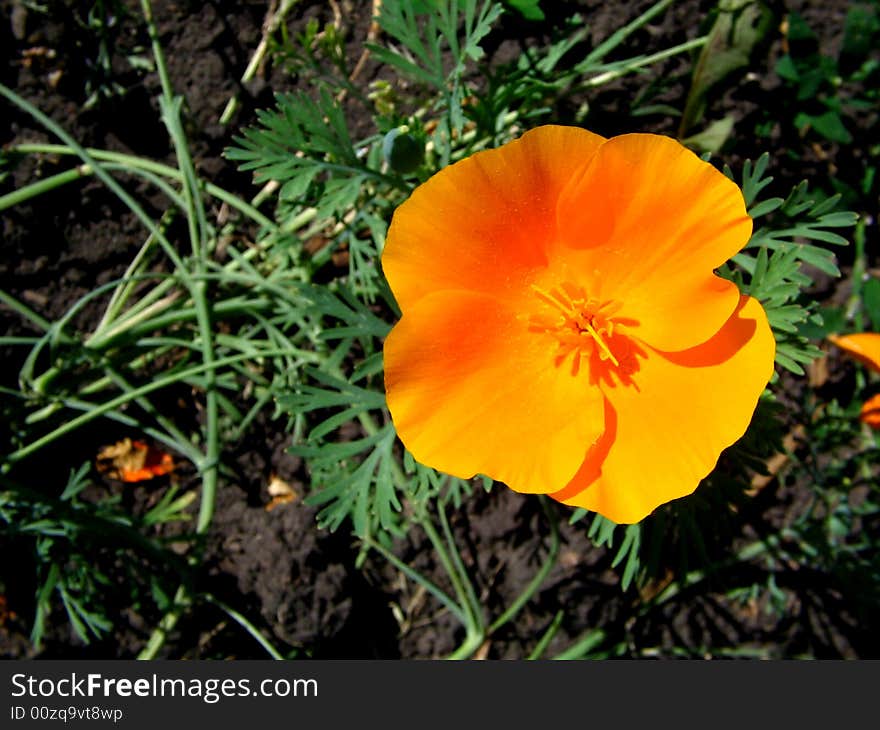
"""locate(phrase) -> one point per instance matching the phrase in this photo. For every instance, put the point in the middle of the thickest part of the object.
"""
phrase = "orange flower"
(870, 412)
(563, 330)
(864, 347)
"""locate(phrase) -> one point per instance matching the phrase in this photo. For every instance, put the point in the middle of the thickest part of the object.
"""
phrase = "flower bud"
(403, 152)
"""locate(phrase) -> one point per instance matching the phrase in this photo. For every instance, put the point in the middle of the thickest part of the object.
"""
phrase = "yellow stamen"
(564, 307)
(601, 343)
(569, 302)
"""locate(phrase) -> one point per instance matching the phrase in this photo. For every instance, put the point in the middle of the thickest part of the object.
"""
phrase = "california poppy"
(562, 328)
(864, 347)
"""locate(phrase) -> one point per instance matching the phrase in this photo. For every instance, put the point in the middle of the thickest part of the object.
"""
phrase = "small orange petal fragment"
(133, 461)
(863, 346)
(871, 411)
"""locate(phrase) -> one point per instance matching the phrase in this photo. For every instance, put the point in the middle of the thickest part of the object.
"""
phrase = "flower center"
(585, 328)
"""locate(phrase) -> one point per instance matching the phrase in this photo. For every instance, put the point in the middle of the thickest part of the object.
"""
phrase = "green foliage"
(425, 35)
(357, 471)
(738, 27)
(304, 144)
(772, 266)
(73, 541)
(542, 79)
(822, 84)
(529, 9)
(602, 533)
(289, 310)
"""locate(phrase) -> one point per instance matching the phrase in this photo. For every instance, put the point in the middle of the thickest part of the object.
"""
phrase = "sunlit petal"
(648, 221)
(485, 223)
(669, 429)
(471, 390)
(863, 346)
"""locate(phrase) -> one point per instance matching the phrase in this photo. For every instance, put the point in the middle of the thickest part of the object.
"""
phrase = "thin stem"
(120, 192)
(635, 63)
(140, 163)
(99, 339)
(619, 36)
(122, 292)
(170, 103)
(246, 625)
(471, 643)
(547, 637)
(43, 186)
(269, 27)
(470, 596)
(458, 585)
(418, 578)
(25, 311)
(166, 624)
(198, 228)
(588, 641)
(237, 305)
(539, 577)
(102, 408)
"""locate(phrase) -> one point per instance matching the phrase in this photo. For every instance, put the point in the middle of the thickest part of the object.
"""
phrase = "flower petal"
(870, 413)
(863, 346)
(483, 223)
(471, 391)
(666, 434)
(652, 220)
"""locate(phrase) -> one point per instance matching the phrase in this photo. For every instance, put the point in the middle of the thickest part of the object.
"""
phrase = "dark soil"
(299, 584)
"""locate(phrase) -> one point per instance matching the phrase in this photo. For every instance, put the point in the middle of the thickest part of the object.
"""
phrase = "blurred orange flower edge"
(563, 330)
(864, 347)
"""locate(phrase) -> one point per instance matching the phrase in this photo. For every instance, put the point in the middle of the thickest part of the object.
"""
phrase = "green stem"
(636, 63)
(140, 163)
(619, 36)
(419, 579)
(147, 388)
(114, 186)
(588, 641)
(236, 305)
(471, 600)
(25, 311)
(257, 59)
(170, 104)
(472, 623)
(547, 637)
(538, 578)
(471, 643)
(122, 292)
(99, 339)
(246, 625)
(43, 186)
(166, 625)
